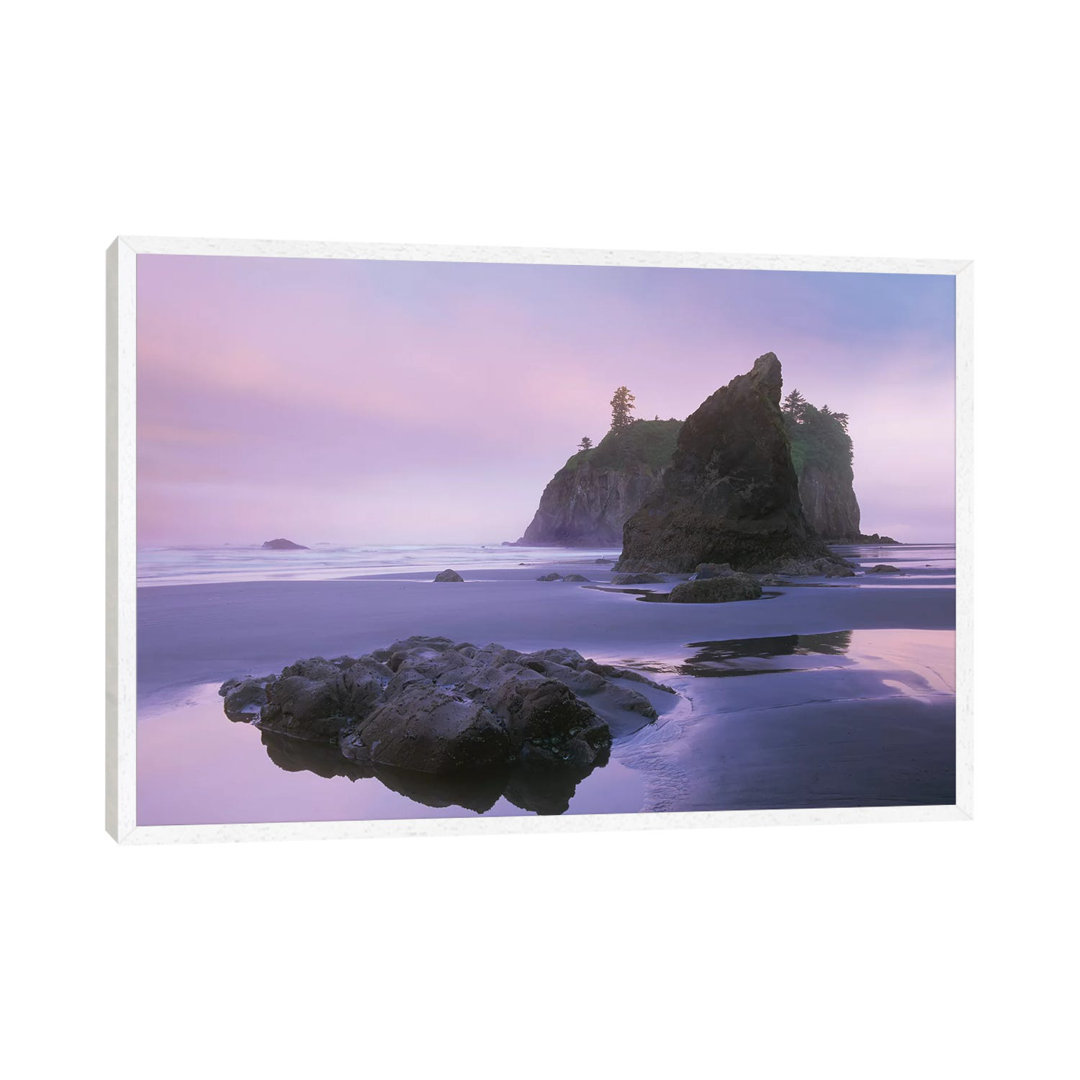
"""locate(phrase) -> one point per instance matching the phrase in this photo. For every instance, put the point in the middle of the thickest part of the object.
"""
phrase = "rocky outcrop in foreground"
(449, 722)
(730, 494)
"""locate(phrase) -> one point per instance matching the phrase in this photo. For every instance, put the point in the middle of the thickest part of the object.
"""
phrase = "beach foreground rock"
(730, 494)
(480, 721)
(448, 575)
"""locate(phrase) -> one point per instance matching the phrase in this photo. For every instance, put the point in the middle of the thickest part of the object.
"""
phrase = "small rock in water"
(281, 544)
(717, 590)
(550, 577)
(884, 568)
(449, 575)
(575, 577)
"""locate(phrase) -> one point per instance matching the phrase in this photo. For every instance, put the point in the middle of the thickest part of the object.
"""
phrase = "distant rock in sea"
(730, 494)
(281, 544)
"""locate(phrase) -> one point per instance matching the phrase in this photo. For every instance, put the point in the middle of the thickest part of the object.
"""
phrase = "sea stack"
(281, 544)
(730, 494)
(589, 499)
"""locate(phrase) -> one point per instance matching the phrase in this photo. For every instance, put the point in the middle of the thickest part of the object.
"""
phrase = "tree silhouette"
(622, 404)
(586, 443)
(795, 406)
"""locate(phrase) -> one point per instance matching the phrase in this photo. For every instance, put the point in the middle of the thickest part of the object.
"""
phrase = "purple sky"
(366, 402)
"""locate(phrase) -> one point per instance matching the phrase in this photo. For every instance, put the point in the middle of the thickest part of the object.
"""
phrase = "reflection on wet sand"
(717, 659)
(537, 784)
(853, 718)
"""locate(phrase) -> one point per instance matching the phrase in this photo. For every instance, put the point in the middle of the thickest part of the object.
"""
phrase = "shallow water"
(847, 718)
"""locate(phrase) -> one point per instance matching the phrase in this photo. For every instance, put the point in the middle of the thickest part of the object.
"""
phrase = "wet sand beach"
(831, 692)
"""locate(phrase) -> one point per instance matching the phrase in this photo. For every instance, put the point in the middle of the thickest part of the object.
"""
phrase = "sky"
(380, 402)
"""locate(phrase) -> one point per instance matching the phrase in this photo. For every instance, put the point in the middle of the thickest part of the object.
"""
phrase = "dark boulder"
(483, 720)
(575, 577)
(884, 568)
(426, 728)
(716, 590)
(550, 577)
(731, 493)
(304, 708)
(244, 698)
(449, 575)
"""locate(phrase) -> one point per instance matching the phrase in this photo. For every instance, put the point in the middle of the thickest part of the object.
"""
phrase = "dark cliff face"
(589, 506)
(829, 503)
(730, 494)
(588, 501)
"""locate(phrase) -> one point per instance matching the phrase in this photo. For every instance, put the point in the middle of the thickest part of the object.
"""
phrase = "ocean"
(205, 565)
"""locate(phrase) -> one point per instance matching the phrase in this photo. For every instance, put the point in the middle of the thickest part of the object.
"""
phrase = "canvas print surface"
(423, 539)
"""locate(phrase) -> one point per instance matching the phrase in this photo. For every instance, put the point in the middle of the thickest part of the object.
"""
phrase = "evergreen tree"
(794, 405)
(585, 444)
(622, 404)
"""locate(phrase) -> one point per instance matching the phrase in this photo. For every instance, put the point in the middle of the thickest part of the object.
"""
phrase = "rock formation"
(589, 499)
(452, 722)
(730, 494)
(828, 501)
(281, 544)
(720, 589)
(597, 491)
(636, 579)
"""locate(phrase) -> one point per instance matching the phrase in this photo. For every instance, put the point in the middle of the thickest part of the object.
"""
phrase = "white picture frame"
(121, 657)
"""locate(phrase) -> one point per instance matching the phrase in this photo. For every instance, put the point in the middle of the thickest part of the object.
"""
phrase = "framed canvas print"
(425, 539)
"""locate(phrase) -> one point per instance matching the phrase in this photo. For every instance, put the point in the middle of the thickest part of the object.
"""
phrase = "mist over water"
(194, 565)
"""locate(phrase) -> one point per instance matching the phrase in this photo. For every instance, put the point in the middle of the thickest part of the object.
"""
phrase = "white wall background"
(924, 129)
